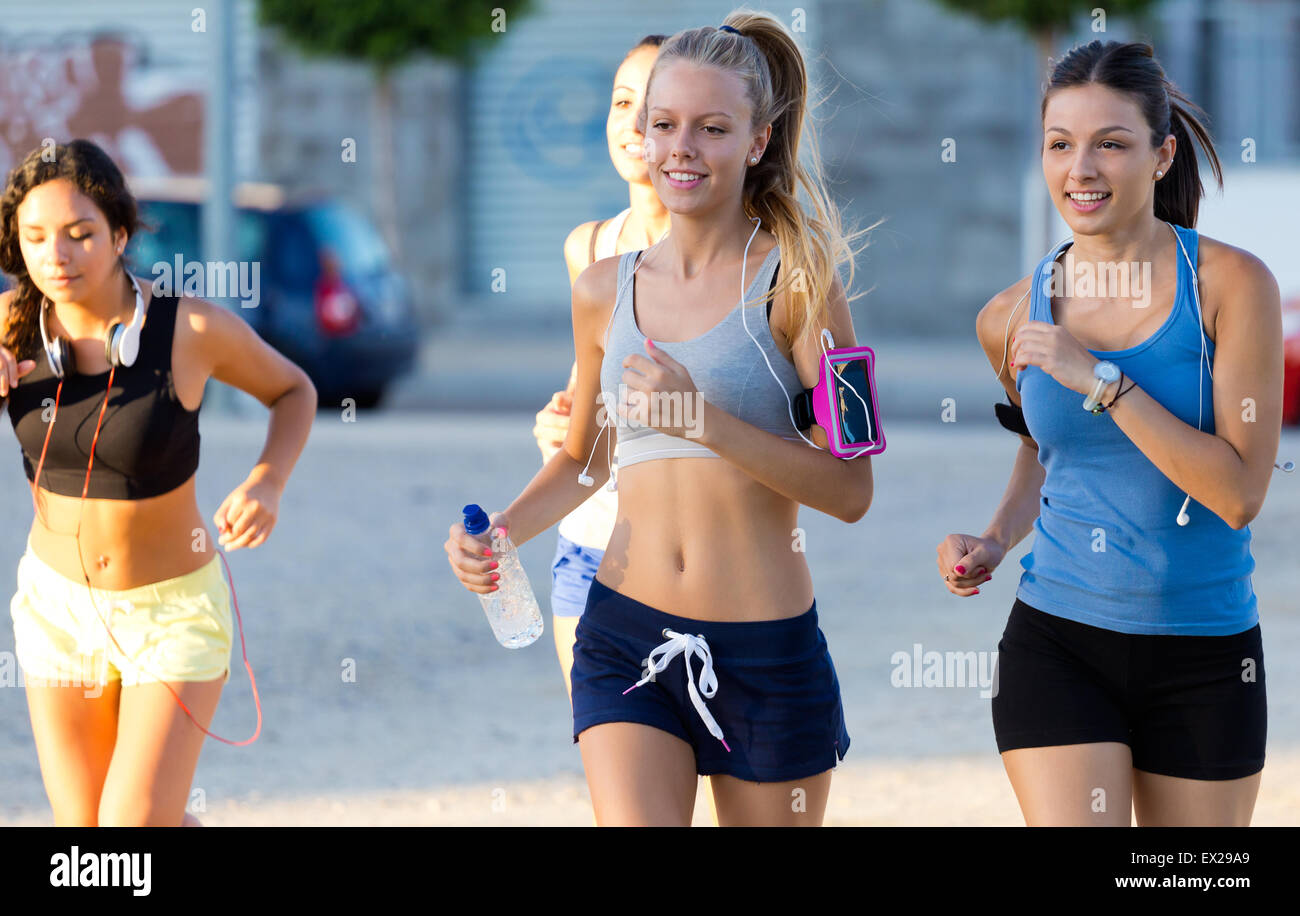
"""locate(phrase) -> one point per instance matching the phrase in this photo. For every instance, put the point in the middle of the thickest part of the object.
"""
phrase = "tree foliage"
(1035, 16)
(386, 33)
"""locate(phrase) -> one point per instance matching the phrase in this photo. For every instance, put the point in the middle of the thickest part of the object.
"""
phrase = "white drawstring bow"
(686, 645)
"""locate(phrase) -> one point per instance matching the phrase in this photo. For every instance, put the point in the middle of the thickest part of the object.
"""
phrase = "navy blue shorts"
(572, 572)
(1187, 706)
(777, 702)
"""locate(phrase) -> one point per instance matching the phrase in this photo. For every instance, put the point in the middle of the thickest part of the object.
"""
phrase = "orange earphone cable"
(80, 513)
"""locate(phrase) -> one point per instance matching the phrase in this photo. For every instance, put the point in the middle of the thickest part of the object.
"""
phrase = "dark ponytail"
(1179, 192)
(649, 41)
(1131, 68)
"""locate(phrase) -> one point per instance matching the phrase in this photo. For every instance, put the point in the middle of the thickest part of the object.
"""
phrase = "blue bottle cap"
(476, 520)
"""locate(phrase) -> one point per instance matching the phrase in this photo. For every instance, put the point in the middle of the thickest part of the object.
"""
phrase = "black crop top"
(148, 444)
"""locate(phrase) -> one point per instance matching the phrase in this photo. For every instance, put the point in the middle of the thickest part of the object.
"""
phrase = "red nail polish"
(494, 565)
(487, 552)
(976, 592)
(960, 569)
(496, 576)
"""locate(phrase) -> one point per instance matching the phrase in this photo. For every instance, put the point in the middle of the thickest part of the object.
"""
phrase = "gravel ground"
(443, 726)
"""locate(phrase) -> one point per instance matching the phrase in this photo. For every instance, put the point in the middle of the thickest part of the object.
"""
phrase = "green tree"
(1045, 19)
(386, 34)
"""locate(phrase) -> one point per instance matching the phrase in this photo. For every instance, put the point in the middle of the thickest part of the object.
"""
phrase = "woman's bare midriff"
(699, 538)
(125, 543)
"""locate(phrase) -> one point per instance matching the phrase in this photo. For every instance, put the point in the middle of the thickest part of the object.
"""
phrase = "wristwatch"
(1105, 372)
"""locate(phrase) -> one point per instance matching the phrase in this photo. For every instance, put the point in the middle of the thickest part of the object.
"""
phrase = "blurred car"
(330, 297)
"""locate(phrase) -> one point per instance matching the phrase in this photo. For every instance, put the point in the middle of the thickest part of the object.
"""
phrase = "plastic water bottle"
(512, 609)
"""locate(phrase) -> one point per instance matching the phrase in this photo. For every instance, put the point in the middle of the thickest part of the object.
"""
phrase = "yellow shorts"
(177, 629)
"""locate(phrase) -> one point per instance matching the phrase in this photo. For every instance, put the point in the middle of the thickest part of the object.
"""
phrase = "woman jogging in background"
(699, 582)
(585, 531)
(122, 616)
(1131, 670)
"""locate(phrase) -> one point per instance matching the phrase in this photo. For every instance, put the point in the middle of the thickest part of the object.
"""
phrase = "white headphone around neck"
(121, 343)
(607, 399)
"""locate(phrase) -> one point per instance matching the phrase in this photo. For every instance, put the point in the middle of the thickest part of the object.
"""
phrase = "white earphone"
(1183, 518)
(584, 478)
(1286, 467)
(822, 339)
(121, 342)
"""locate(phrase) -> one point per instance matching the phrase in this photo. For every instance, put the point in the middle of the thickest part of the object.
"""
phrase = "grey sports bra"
(726, 366)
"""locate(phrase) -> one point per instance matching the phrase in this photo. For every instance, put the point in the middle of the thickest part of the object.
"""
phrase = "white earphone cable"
(1201, 364)
(584, 478)
(821, 339)
(1006, 332)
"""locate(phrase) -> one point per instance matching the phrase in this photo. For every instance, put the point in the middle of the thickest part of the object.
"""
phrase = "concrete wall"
(309, 106)
(903, 76)
(913, 75)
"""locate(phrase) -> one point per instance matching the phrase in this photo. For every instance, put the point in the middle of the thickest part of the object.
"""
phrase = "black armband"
(802, 407)
(1012, 418)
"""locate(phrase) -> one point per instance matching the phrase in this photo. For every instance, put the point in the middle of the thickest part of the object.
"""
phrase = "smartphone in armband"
(844, 403)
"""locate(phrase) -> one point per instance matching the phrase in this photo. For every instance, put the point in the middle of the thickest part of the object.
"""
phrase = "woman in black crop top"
(116, 747)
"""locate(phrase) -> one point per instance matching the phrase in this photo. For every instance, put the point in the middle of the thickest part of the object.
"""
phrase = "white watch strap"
(1095, 398)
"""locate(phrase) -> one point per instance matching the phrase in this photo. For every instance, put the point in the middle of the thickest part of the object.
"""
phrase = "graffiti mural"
(93, 87)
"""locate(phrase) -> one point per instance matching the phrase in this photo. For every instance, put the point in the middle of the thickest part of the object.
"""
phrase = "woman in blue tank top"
(1130, 675)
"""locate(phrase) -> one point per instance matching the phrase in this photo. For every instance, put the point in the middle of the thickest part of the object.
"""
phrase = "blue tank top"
(1107, 548)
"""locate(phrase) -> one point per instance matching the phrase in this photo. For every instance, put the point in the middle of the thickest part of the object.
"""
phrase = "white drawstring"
(677, 644)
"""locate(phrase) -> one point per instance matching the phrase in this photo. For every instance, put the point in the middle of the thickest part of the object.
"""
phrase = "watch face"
(1106, 371)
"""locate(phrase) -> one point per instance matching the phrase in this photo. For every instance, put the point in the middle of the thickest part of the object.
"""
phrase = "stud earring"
(1158, 174)
(753, 160)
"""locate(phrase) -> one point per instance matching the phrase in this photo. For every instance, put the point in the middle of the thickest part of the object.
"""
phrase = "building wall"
(312, 105)
(537, 161)
(903, 77)
(918, 81)
(498, 163)
(897, 78)
(131, 75)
